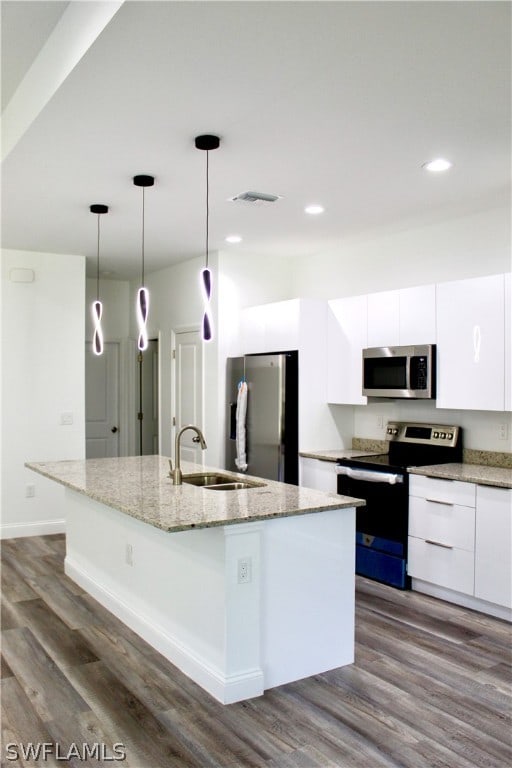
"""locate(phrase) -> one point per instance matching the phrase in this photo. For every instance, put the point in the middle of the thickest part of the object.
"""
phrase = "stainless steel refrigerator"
(271, 421)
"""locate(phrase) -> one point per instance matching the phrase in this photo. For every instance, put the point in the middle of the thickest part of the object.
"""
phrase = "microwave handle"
(408, 372)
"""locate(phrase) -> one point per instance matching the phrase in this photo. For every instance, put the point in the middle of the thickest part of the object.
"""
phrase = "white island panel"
(308, 567)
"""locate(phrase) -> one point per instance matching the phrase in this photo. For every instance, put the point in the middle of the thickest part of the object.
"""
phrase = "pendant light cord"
(143, 202)
(207, 205)
(98, 263)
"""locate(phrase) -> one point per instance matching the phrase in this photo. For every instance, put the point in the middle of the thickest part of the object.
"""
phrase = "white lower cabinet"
(317, 474)
(460, 537)
(493, 573)
(442, 533)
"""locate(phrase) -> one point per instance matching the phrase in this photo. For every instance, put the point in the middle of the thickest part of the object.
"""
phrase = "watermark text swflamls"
(43, 750)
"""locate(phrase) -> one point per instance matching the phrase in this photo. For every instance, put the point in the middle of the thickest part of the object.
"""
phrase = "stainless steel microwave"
(408, 372)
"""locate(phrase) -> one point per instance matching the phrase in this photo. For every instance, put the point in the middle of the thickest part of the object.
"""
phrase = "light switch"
(66, 418)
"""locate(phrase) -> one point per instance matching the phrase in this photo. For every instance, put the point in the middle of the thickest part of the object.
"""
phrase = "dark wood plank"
(20, 723)
(65, 646)
(49, 690)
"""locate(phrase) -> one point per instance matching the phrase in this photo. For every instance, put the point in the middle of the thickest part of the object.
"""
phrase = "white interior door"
(189, 391)
(102, 402)
(148, 425)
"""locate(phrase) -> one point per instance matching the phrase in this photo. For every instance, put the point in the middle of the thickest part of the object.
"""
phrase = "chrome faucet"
(176, 473)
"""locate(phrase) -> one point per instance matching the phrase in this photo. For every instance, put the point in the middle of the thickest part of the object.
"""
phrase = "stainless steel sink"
(220, 482)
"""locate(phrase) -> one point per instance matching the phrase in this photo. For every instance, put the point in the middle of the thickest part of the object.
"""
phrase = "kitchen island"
(243, 590)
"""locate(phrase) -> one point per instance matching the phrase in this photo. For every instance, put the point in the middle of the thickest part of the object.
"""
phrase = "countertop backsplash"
(370, 444)
(487, 458)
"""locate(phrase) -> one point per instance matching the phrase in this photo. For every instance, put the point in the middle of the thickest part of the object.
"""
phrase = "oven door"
(382, 524)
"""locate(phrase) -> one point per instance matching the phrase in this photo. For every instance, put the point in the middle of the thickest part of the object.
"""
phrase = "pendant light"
(97, 306)
(142, 305)
(207, 142)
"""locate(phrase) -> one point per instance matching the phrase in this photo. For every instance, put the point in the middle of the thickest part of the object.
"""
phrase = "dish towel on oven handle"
(369, 476)
(241, 414)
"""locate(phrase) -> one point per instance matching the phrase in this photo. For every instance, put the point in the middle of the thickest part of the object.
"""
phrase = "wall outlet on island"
(244, 570)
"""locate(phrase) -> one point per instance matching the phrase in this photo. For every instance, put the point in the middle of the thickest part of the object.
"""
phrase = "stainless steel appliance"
(267, 436)
(400, 371)
(383, 481)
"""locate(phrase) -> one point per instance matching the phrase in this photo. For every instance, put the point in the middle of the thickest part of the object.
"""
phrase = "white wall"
(42, 378)
(468, 246)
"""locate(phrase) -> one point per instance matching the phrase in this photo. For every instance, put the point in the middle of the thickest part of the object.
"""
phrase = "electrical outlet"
(129, 554)
(244, 570)
(380, 422)
(503, 431)
(30, 490)
(66, 418)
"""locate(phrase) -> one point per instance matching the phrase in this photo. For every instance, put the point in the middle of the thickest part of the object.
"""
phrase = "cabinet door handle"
(436, 501)
(438, 544)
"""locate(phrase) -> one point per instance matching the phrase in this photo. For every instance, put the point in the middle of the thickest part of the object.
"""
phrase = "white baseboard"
(466, 601)
(227, 689)
(41, 528)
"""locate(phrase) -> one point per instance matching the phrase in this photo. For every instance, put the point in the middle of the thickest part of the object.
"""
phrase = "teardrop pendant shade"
(207, 283)
(207, 329)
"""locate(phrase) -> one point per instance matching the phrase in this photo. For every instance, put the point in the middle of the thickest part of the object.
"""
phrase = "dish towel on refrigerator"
(241, 412)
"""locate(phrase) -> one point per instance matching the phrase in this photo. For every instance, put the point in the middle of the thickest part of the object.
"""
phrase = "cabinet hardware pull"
(436, 501)
(438, 544)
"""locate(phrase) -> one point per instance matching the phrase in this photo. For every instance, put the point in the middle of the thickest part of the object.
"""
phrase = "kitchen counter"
(242, 590)
(468, 473)
(141, 487)
(335, 454)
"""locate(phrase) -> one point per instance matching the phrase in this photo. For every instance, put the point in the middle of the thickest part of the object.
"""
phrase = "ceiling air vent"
(261, 198)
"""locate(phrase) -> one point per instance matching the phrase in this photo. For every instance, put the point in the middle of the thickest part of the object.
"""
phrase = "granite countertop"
(140, 486)
(335, 454)
(468, 473)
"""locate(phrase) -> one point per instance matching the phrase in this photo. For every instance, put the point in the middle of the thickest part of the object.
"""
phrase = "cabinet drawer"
(450, 491)
(445, 523)
(450, 568)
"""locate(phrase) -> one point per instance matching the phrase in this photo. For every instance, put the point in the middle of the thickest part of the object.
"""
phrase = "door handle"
(114, 429)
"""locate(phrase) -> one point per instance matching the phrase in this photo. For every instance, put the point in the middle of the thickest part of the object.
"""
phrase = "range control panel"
(425, 434)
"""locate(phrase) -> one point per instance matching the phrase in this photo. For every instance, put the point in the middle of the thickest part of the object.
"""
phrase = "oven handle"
(370, 476)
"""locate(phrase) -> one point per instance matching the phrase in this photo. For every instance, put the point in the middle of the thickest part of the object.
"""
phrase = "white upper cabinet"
(384, 319)
(346, 339)
(271, 327)
(403, 317)
(418, 315)
(471, 344)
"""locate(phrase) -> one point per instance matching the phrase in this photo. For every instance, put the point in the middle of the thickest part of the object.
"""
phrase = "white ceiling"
(331, 102)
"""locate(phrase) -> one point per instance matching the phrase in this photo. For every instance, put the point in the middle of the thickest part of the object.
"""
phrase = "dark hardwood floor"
(431, 686)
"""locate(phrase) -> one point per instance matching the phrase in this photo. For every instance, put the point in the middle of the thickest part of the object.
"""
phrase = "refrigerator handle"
(232, 421)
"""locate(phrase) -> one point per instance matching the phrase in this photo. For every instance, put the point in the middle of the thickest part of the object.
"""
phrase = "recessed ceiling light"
(437, 165)
(314, 209)
(233, 239)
